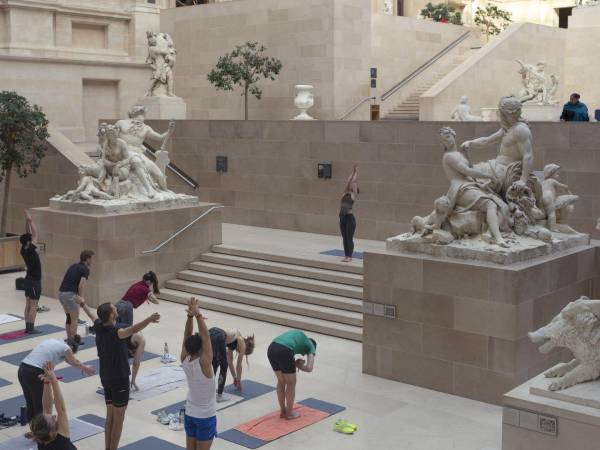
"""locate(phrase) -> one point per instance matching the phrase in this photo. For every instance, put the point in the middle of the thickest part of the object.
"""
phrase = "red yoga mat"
(271, 426)
(13, 335)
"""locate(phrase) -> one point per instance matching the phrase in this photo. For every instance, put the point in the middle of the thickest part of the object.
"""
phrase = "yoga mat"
(252, 389)
(78, 429)
(151, 443)
(12, 406)
(336, 252)
(158, 381)
(20, 335)
(265, 429)
(4, 382)
(71, 374)
(93, 419)
(8, 318)
(16, 358)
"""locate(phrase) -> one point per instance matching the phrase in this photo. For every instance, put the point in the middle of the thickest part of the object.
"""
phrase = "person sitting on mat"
(347, 219)
(32, 367)
(51, 432)
(224, 343)
(281, 354)
(196, 360)
(137, 294)
(33, 277)
(111, 342)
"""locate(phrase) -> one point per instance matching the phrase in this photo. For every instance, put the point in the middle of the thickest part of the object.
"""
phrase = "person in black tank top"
(347, 219)
(33, 278)
(52, 432)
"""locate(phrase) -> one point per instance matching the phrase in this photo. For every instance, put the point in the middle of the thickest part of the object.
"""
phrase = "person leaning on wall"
(574, 110)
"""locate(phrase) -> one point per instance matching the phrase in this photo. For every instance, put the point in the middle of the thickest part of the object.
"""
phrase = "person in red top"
(137, 294)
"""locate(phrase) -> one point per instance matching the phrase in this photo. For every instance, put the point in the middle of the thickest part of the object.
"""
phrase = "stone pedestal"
(461, 326)
(164, 107)
(118, 241)
(531, 112)
(534, 418)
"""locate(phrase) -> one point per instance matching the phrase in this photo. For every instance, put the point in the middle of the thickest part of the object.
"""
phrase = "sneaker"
(163, 418)
(345, 427)
(222, 398)
(81, 322)
(167, 358)
(42, 309)
(33, 331)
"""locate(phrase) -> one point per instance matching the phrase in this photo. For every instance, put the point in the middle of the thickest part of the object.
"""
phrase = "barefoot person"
(32, 366)
(224, 344)
(72, 286)
(111, 342)
(137, 294)
(196, 360)
(33, 278)
(51, 432)
(281, 354)
(347, 219)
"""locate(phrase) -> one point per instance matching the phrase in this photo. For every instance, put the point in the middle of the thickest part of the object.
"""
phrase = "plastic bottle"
(166, 350)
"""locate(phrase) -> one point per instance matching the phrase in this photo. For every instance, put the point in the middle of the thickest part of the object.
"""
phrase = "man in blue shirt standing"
(574, 110)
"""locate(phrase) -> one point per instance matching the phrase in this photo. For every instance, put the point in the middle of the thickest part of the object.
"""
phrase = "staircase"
(312, 295)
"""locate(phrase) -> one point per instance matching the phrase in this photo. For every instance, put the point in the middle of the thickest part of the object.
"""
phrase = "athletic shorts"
(116, 392)
(201, 429)
(67, 299)
(33, 289)
(281, 358)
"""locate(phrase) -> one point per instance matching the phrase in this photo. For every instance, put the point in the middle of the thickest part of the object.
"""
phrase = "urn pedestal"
(303, 101)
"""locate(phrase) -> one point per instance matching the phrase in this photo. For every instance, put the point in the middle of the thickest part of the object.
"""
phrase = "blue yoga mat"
(252, 389)
(16, 358)
(336, 252)
(237, 437)
(93, 419)
(4, 382)
(45, 329)
(71, 374)
(12, 406)
(151, 443)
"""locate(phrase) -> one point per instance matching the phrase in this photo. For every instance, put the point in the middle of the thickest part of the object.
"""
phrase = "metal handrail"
(424, 66)
(181, 230)
(173, 168)
(358, 105)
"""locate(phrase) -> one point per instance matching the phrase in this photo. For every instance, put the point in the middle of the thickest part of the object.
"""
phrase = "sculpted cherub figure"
(557, 200)
(88, 188)
(441, 209)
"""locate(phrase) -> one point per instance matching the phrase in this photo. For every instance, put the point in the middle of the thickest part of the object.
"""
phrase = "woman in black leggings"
(347, 219)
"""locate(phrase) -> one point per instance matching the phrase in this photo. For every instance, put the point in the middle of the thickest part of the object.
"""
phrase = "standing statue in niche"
(537, 88)
(462, 112)
(161, 57)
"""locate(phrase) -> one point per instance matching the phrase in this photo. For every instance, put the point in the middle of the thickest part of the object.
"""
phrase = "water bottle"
(182, 416)
(23, 416)
(166, 350)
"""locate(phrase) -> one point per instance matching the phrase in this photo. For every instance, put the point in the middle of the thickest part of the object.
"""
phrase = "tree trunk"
(5, 201)
(246, 102)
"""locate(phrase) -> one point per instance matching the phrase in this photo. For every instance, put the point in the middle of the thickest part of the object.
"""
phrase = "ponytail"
(151, 276)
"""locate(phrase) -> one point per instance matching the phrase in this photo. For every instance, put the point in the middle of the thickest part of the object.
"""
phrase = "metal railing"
(181, 230)
(358, 105)
(424, 66)
(173, 168)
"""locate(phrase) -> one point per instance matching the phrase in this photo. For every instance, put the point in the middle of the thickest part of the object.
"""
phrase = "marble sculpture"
(500, 199)
(123, 170)
(462, 112)
(161, 57)
(537, 87)
(577, 328)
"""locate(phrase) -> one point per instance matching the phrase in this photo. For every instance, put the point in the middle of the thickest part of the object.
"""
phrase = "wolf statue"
(576, 327)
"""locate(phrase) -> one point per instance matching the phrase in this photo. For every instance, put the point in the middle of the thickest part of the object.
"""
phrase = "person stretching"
(33, 277)
(281, 354)
(72, 287)
(111, 342)
(196, 360)
(32, 367)
(347, 219)
(51, 432)
(224, 343)
(137, 294)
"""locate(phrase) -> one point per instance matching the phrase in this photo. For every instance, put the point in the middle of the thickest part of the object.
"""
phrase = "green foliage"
(245, 66)
(441, 13)
(492, 20)
(23, 131)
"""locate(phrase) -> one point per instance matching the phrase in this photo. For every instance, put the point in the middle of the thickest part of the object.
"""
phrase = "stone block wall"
(461, 327)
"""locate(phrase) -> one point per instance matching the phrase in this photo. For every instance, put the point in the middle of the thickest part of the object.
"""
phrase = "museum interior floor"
(419, 418)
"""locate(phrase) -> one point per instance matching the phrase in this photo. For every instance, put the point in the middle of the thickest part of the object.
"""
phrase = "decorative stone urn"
(303, 101)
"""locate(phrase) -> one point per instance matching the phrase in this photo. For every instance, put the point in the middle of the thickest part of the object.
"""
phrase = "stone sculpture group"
(576, 327)
(462, 112)
(537, 88)
(123, 170)
(500, 199)
(161, 58)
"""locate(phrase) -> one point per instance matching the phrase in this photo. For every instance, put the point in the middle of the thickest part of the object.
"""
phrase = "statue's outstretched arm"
(484, 141)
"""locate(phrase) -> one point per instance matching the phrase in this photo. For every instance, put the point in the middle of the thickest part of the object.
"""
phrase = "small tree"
(23, 131)
(244, 67)
(441, 13)
(492, 20)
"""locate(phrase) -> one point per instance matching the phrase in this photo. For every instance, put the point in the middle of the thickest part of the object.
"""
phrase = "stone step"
(270, 288)
(315, 263)
(268, 315)
(282, 268)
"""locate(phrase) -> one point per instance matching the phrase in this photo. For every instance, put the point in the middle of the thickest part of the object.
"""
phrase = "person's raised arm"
(30, 227)
(206, 356)
(88, 311)
(192, 310)
(124, 333)
(483, 141)
(47, 398)
(59, 402)
(73, 361)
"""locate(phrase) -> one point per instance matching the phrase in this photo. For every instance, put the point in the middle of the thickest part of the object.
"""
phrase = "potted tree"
(244, 66)
(23, 133)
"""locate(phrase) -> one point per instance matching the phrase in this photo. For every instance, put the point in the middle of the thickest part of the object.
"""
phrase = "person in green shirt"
(281, 354)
